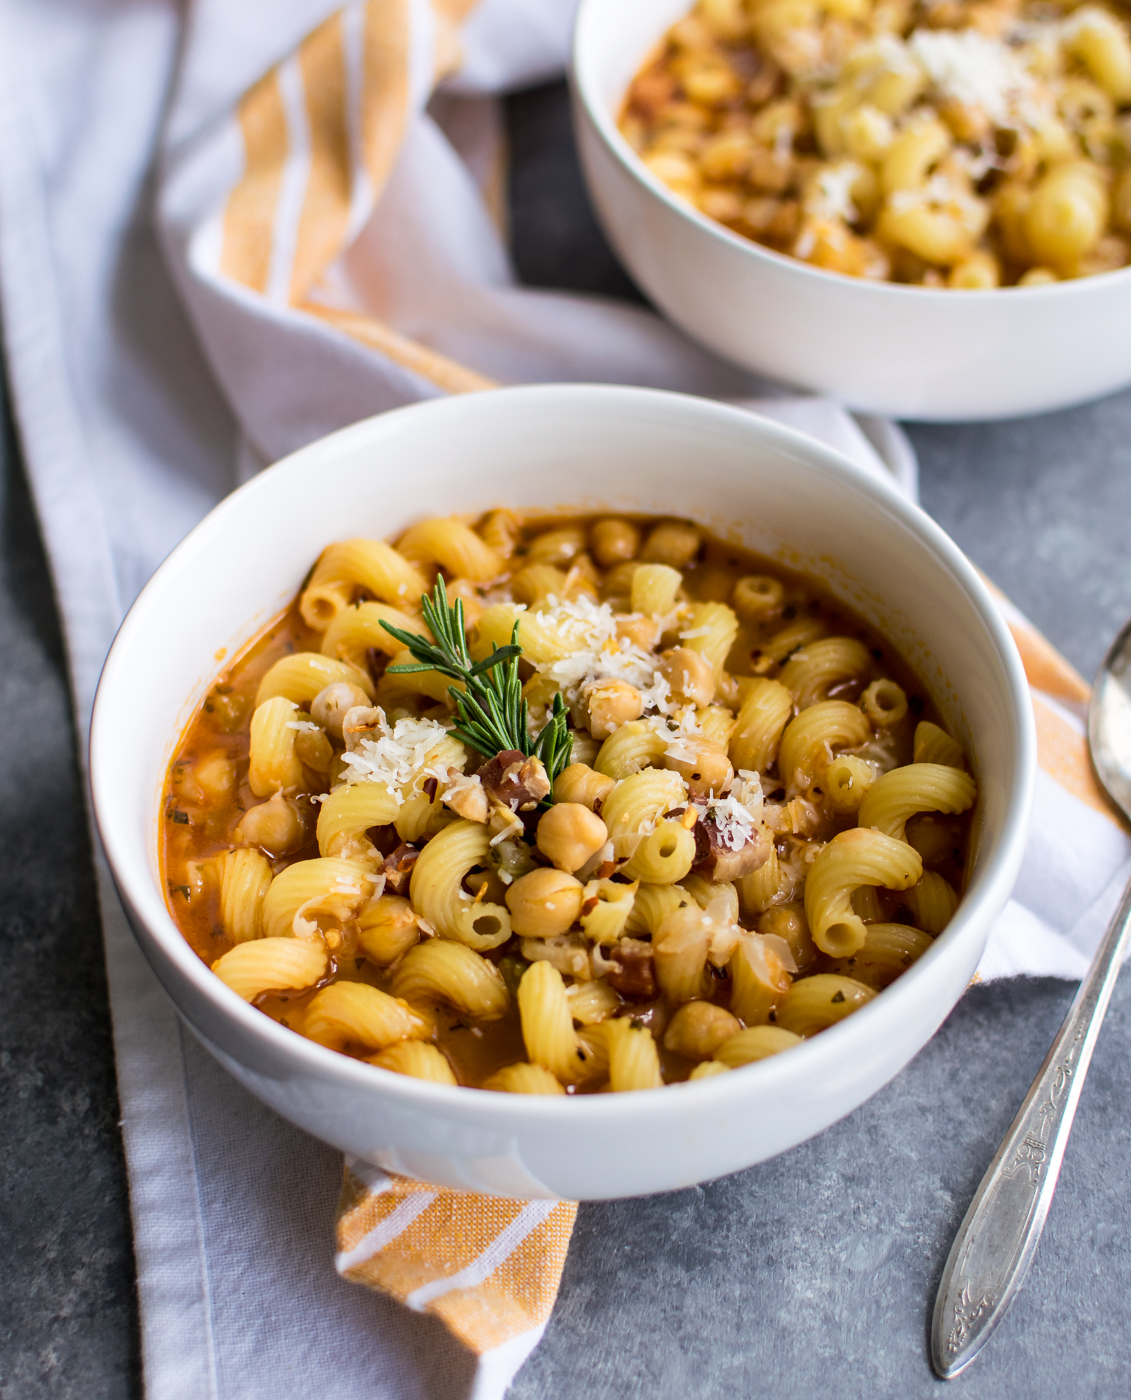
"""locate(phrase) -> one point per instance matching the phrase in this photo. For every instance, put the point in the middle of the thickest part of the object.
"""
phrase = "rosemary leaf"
(491, 713)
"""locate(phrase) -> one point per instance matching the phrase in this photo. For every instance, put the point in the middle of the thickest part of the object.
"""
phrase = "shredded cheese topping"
(675, 729)
(978, 71)
(395, 755)
(832, 195)
(602, 655)
(738, 815)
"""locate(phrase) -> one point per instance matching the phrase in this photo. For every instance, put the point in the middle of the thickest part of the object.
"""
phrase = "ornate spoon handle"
(999, 1235)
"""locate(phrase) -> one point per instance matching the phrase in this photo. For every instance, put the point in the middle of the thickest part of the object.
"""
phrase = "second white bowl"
(907, 352)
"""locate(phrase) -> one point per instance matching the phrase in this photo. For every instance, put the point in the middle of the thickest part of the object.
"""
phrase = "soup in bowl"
(673, 753)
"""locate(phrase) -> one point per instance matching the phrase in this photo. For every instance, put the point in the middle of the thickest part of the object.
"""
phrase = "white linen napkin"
(105, 108)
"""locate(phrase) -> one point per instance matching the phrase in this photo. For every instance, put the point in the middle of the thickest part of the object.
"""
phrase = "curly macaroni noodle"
(300, 678)
(452, 973)
(355, 1012)
(920, 787)
(438, 893)
(851, 859)
(345, 569)
(270, 964)
(417, 1060)
(244, 879)
(357, 630)
(757, 823)
(326, 889)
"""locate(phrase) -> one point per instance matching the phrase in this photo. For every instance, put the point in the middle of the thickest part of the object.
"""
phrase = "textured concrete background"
(811, 1274)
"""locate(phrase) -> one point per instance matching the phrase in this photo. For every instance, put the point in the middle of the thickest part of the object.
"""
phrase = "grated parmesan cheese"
(396, 755)
(601, 654)
(970, 67)
(675, 730)
(738, 815)
(831, 193)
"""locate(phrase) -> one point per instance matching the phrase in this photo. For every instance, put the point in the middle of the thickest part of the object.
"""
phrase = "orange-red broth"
(193, 828)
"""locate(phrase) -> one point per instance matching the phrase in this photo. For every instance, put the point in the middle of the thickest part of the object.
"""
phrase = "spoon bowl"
(1109, 722)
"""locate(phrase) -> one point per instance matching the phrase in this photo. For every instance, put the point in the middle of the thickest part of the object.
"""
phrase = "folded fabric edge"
(488, 1267)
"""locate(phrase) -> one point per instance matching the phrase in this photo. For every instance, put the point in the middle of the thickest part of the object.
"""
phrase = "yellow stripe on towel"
(448, 375)
(249, 219)
(336, 144)
(326, 207)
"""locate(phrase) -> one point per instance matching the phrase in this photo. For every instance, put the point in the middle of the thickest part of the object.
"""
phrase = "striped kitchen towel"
(489, 1268)
(1078, 856)
(334, 218)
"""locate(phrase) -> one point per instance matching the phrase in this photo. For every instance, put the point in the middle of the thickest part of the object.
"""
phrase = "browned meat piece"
(716, 861)
(515, 781)
(633, 971)
(398, 869)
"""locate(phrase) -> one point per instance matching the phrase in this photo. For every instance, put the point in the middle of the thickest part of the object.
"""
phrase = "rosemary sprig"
(492, 714)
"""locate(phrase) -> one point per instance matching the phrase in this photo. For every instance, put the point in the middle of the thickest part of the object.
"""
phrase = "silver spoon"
(998, 1238)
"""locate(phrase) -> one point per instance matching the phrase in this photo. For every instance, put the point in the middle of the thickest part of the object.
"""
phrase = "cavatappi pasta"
(755, 823)
(968, 144)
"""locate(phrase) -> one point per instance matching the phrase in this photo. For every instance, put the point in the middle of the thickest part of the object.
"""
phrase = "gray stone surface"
(67, 1315)
(814, 1274)
(809, 1275)
(1043, 505)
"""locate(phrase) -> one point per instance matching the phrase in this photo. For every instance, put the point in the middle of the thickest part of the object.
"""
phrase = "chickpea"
(671, 542)
(569, 834)
(387, 929)
(756, 596)
(534, 582)
(215, 776)
(276, 826)
(614, 541)
(579, 784)
(313, 749)
(557, 546)
(330, 706)
(709, 771)
(788, 921)
(617, 583)
(583, 748)
(544, 903)
(690, 677)
(611, 704)
(698, 1029)
(643, 632)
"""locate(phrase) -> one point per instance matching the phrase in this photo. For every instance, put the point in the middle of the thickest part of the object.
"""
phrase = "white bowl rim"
(131, 869)
(583, 83)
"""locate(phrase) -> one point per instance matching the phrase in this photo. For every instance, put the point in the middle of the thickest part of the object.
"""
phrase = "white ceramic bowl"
(629, 449)
(909, 352)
